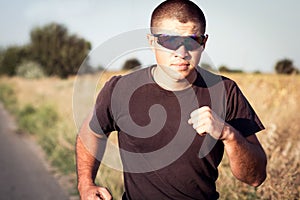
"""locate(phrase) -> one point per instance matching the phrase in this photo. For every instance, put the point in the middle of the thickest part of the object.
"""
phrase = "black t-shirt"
(162, 155)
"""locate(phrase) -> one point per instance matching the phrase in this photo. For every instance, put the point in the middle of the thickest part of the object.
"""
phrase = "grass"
(44, 108)
(275, 98)
(8, 97)
(41, 118)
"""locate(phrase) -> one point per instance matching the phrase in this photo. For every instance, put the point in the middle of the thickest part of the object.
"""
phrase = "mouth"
(181, 66)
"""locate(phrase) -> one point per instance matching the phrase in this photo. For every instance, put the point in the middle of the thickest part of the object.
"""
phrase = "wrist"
(228, 133)
(82, 184)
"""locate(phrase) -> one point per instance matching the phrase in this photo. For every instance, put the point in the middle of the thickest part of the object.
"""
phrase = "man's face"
(179, 62)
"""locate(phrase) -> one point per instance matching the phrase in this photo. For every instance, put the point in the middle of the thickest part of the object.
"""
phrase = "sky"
(247, 35)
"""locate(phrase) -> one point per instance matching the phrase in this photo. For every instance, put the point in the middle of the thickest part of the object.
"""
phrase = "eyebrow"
(163, 34)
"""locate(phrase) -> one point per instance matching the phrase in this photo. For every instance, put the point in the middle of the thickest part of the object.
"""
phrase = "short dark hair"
(182, 10)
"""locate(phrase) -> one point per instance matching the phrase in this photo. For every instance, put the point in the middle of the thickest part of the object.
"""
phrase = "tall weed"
(43, 123)
(37, 120)
(8, 97)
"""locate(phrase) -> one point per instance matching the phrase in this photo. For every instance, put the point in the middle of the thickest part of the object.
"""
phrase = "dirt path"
(23, 175)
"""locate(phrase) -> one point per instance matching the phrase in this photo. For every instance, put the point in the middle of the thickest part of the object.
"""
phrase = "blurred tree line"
(132, 63)
(284, 66)
(52, 50)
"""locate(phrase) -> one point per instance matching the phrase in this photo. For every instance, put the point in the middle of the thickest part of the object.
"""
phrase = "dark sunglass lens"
(200, 39)
(174, 42)
(169, 42)
(191, 43)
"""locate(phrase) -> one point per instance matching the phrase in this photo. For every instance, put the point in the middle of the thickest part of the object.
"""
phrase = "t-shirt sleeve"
(102, 121)
(240, 113)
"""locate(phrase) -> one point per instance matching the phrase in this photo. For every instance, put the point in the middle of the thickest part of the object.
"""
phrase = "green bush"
(30, 70)
(37, 120)
(43, 123)
(8, 97)
(27, 119)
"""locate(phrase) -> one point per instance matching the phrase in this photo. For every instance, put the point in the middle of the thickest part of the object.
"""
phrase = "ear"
(151, 41)
(205, 40)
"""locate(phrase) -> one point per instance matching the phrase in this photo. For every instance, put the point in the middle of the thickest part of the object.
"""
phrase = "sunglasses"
(173, 42)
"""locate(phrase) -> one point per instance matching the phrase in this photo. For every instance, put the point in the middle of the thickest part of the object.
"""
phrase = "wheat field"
(275, 98)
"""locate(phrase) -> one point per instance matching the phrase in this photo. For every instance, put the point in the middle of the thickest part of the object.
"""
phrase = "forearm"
(90, 148)
(246, 156)
(86, 165)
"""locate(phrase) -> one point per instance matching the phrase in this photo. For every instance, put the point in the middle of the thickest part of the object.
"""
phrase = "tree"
(223, 68)
(207, 66)
(1, 54)
(58, 52)
(131, 64)
(285, 66)
(11, 58)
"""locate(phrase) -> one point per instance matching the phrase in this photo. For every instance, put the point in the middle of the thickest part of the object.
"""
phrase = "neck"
(170, 83)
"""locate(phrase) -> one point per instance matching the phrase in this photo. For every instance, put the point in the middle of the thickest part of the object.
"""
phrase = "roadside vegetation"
(43, 108)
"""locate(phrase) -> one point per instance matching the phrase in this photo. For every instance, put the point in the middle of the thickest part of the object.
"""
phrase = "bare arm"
(246, 156)
(87, 164)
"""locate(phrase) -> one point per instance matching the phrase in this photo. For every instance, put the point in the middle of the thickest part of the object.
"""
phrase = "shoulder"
(211, 79)
(143, 73)
(133, 80)
(125, 84)
(112, 81)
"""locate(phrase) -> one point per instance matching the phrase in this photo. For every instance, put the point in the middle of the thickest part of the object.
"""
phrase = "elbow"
(259, 180)
(260, 176)
(256, 178)
(254, 181)
(261, 172)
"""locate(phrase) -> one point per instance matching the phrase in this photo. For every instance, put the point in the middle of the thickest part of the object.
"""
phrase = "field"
(274, 97)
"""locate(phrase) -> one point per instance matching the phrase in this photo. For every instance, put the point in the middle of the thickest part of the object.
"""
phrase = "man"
(174, 120)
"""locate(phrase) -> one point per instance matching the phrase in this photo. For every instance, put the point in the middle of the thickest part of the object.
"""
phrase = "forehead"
(175, 27)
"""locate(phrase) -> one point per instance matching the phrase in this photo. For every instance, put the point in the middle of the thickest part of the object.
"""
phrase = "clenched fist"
(205, 121)
(94, 192)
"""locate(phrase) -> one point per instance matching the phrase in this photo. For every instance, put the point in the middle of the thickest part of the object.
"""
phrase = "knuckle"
(195, 126)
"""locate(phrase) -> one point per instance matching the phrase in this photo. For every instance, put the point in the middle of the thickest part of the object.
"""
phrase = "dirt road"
(23, 175)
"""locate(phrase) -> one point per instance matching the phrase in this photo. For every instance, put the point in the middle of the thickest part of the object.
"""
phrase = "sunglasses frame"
(199, 39)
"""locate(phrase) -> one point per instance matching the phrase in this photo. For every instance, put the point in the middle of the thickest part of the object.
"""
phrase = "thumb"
(104, 194)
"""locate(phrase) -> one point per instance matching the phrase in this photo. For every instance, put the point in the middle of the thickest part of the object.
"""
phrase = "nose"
(182, 52)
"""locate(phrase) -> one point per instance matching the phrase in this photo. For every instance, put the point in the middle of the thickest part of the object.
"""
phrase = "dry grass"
(275, 99)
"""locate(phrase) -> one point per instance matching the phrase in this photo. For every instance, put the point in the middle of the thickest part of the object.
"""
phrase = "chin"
(177, 74)
(185, 73)
(180, 75)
